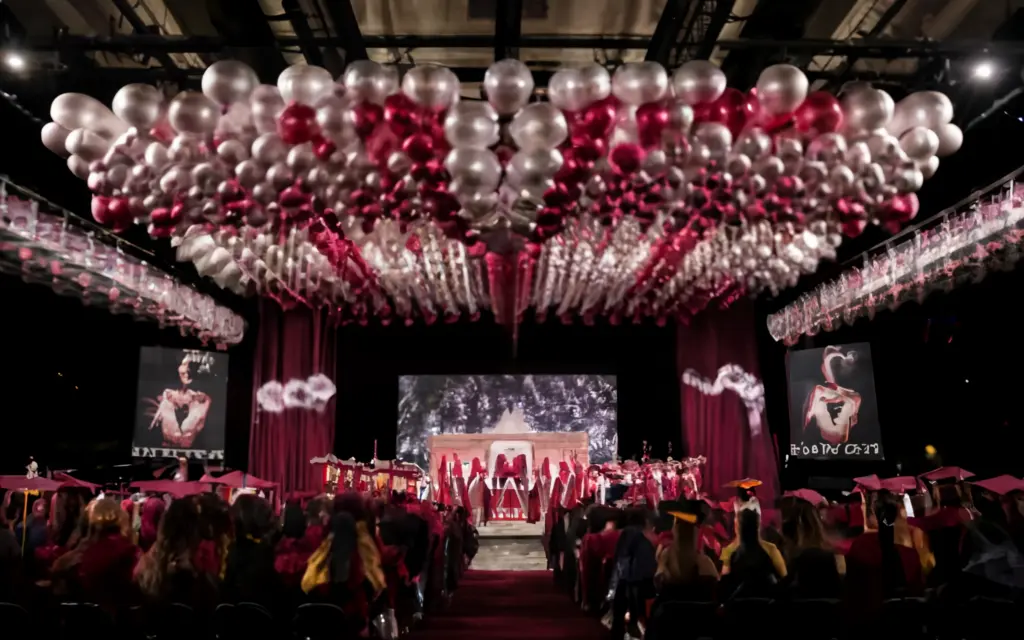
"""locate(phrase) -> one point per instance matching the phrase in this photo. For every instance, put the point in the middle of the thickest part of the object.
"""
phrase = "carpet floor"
(519, 605)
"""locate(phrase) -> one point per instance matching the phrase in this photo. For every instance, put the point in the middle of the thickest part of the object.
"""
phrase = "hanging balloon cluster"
(629, 195)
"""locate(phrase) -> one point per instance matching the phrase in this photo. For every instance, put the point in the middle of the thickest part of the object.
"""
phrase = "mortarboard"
(899, 484)
(808, 495)
(746, 489)
(946, 475)
(1001, 485)
(868, 483)
(692, 511)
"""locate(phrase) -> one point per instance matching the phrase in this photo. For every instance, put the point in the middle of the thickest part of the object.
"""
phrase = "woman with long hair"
(99, 569)
(813, 565)
(753, 566)
(684, 571)
(250, 574)
(149, 521)
(291, 552)
(215, 534)
(167, 572)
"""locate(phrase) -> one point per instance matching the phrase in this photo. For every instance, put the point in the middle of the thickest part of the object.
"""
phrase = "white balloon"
(305, 84)
(538, 126)
(472, 124)
(636, 83)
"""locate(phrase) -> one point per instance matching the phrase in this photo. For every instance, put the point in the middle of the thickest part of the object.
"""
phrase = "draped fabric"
(723, 399)
(294, 344)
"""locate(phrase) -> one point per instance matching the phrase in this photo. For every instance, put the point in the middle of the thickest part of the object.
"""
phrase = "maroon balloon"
(820, 113)
(404, 118)
(735, 110)
(419, 147)
(651, 121)
(101, 209)
(626, 159)
(597, 120)
(297, 124)
(365, 118)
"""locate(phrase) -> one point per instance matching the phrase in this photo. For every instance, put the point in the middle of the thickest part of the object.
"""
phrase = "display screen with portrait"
(182, 402)
(833, 411)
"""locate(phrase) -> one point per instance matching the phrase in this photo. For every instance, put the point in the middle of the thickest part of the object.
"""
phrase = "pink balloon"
(819, 113)
(651, 121)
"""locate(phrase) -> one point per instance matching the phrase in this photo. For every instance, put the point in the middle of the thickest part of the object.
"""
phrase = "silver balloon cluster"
(637, 193)
(312, 393)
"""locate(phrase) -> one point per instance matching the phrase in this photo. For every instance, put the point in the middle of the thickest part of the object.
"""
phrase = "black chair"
(818, 618)
(682, 620)
(244, 621)
(174, 621)
(14, 618)
(84, 619)
(905, 618)
(744, 617)
(320, 621)
(986, 617)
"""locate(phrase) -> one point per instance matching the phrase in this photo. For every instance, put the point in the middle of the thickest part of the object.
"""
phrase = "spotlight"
(984, 70)
(15, 61)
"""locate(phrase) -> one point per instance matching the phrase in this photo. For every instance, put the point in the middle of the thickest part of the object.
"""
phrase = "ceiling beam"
(508, 28)
(884, 21)
(245, 35)
(346, 27)
(140, 27)
(671, 22)
(300, 25)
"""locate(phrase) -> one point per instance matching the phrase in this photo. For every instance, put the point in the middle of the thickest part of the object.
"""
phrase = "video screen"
(833, 411)
(432, 405)
(182, 403)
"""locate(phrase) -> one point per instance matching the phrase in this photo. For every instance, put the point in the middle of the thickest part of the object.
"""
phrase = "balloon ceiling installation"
(629, 195)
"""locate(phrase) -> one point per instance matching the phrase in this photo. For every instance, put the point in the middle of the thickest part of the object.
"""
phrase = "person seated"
(684, 572)
(346, 569)
(635, 566)
(99, 569)
(877, 568)
(813, 566)
(249, 574)
(596, 554)
(751, 567)
(215, 534)
(167, 573)
(292, 551)
(152, 510)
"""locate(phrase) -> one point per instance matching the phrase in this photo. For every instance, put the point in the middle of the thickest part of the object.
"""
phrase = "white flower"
(321, 387)
(270, 397)
(297, 395)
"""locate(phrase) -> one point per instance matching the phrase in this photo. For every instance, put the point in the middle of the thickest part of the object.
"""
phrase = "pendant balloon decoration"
(633, 194)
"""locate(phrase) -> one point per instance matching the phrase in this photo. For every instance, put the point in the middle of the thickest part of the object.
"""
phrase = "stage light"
(984, 70)
(929, 450)
(15, 61)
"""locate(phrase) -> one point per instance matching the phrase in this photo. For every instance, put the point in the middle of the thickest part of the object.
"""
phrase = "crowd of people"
(653, 571)
(383, 563)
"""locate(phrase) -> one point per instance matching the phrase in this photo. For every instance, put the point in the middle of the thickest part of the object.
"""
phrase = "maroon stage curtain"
(723, 400)
(291, 345)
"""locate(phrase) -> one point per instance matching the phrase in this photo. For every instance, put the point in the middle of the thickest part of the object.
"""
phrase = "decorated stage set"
(631, 195)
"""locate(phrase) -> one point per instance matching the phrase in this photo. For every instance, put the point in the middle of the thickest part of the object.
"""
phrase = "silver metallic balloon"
(229, 81)
(866, 109)
(305, 84)
(951, 138)
(86, 144)
(636, 83)
(79, 167)
(858, 155)
(717, 137)
(156, 155)
(929, 167)
(680, 116)
(280, 176)
(366, 80)
(531, 168)
(300, 158)
(54, 138)
(269, 149)
(140, 105)
(184, 148)
(473, 170)
(508, 86)
(842, 178)
(538, 126)
(929, 109)
(472, 124)
(331, 115)
(883, 146)
(431, 86)
(754, 143)
(79, 111)
(781, 88)
(829, 148)
(249, 173)
(175, 180)
(567, 91)
(267, 104)
(908, 179)
(193, 113)
(920, 143)
(596, 81)
(232, 151)
(698, 82)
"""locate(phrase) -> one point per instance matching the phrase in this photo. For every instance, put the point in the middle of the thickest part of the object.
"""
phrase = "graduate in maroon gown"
(444, 489)
(458, 482)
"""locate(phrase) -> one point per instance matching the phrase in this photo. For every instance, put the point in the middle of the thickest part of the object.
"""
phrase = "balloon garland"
(637, 193)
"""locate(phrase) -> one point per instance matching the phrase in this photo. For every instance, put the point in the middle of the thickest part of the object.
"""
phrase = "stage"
(510, 546)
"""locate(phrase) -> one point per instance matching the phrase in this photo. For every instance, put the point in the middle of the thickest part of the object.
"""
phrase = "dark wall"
(947, 373)
(370, 360)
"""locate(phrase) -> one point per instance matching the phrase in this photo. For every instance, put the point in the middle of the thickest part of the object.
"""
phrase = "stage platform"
(510, 546)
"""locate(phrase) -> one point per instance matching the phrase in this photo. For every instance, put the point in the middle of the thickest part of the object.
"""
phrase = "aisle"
(495, 605)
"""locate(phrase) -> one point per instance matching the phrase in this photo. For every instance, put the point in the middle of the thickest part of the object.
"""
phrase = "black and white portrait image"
(182, 402)
(832, 405)
(431, 405)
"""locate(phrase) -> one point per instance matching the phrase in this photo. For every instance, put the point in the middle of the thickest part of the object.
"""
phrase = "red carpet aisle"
(495, 605)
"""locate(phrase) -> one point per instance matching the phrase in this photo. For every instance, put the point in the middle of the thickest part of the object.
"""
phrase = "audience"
(814, 569)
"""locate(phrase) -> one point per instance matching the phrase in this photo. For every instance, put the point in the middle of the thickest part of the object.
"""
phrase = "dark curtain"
(723, 400)
(291, 345)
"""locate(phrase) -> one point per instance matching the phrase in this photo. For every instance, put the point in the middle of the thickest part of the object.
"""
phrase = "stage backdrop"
(833, 411)
(723, 399)
(182, 404)
(437, 404)
(292, 345)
